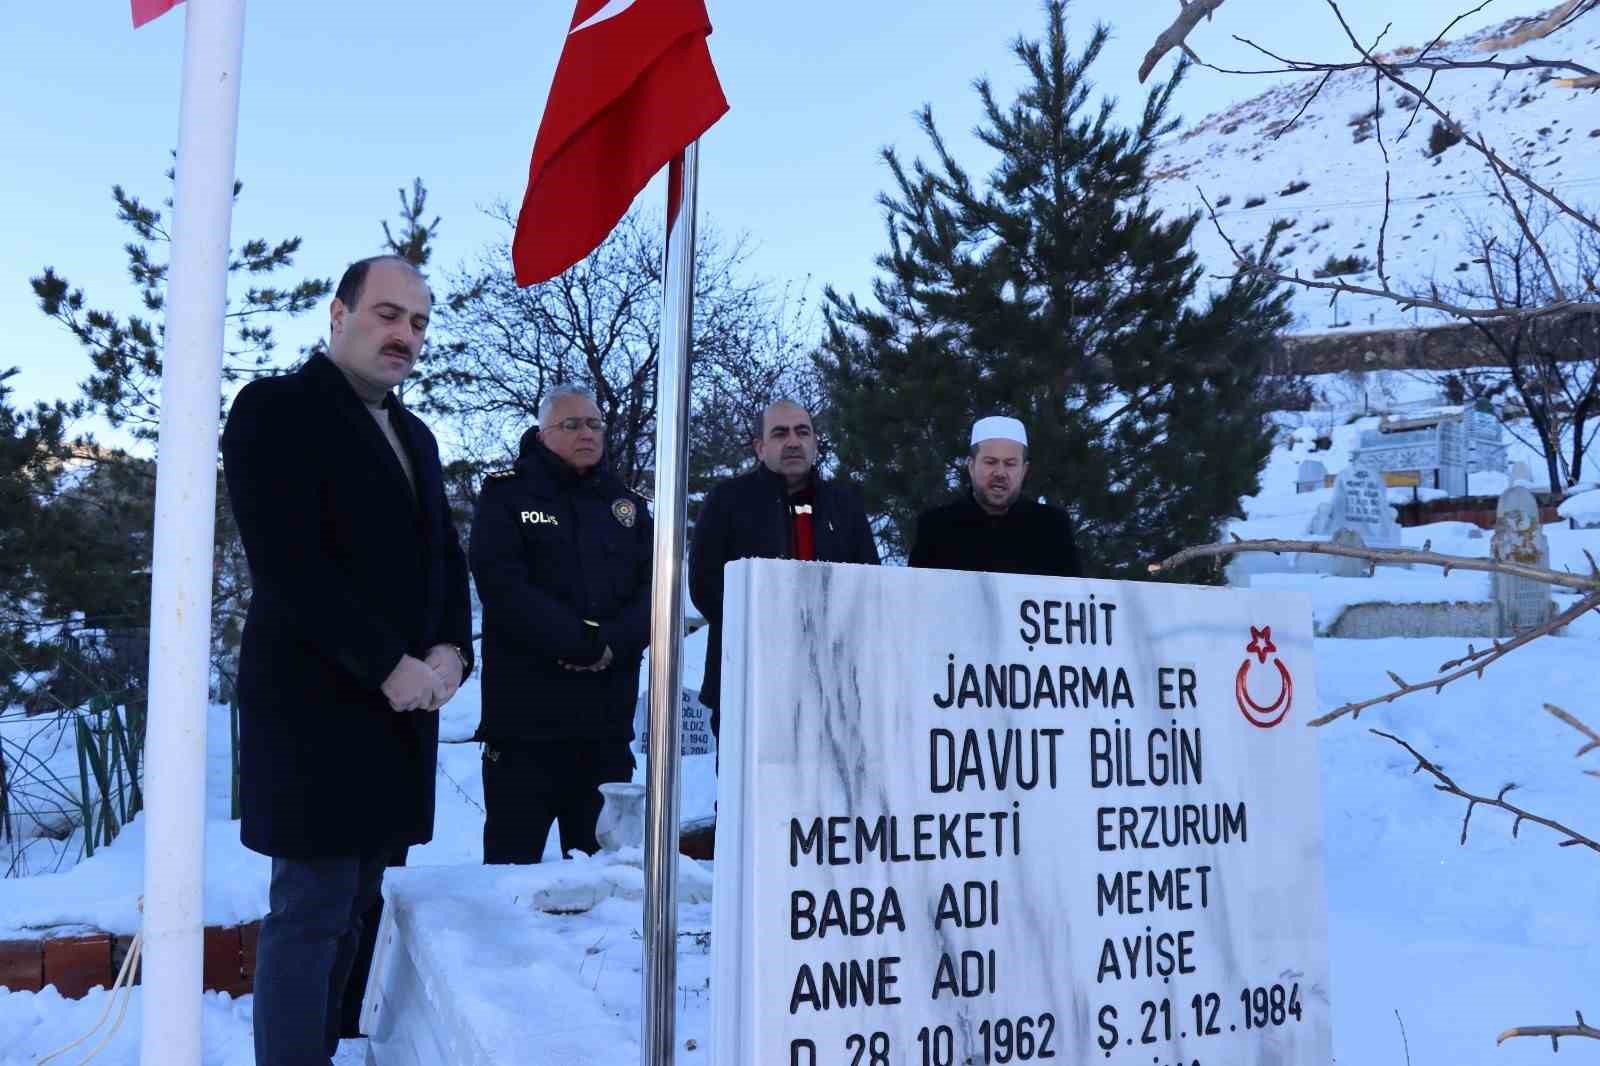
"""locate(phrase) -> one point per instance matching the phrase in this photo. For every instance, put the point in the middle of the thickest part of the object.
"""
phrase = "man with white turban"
(990, 527)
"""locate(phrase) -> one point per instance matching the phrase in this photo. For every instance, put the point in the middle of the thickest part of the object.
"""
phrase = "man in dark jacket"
(561, 550)
(783, 509)
(359, 628)
(991, 527)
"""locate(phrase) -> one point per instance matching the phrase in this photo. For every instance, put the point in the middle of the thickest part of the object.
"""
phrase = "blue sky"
(343, 103)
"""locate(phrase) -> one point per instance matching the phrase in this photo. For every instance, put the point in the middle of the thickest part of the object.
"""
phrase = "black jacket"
(747, 517)
(1031, 538)
(553, 552)
(349, 572)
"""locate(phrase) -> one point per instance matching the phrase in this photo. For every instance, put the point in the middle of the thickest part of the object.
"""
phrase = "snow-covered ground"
(1461, 940)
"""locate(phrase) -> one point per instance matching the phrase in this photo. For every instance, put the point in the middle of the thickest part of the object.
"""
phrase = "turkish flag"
(145, 10)
(634, 87)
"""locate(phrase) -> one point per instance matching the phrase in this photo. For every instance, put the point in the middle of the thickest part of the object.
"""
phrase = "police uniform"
(562, 563)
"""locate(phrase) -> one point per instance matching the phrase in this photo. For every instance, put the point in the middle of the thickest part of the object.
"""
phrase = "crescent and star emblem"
(1262, 716)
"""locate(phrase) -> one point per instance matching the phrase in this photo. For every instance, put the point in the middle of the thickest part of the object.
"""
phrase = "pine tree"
(112, 493)
(1051, 290)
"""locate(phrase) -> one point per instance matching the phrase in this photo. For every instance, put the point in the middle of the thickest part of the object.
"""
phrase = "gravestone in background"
(1519, 537)
(1311, 476)
(1361, 503)
(1344, 566)
(694, 724)
(981, 818)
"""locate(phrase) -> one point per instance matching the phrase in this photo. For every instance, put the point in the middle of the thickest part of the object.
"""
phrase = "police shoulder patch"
(625, 511)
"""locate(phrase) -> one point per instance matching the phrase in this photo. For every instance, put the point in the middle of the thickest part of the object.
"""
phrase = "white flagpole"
(186, 491)
(657, 1046)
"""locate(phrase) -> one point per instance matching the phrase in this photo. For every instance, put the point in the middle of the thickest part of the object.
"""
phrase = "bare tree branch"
(1446, 784)
(1594, 738)
(1554, 1032)
(1385, 557)
(1480, 144)
(1536, 30)
(1477, 662)
(1406, 300)
(1173, 36)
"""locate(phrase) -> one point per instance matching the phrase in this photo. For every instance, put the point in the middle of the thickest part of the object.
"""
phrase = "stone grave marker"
(694, 724)
(1343, 566)
(1311, 476)
(1519, 537)
(988, 818)
(1361, 503)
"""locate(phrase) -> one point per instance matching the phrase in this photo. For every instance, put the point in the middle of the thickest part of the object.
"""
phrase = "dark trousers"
(305, 952)
(355, 989)
(528, 786)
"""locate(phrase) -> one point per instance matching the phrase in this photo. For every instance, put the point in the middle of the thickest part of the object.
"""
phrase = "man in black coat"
(991, 527)
(359, 629)
(561, 550)
(783, 509)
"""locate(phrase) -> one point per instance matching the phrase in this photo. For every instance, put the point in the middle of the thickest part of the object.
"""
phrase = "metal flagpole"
(657, 1048)
(186, 491)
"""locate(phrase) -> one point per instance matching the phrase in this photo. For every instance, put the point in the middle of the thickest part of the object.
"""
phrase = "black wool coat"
(563, 567)
(747, 517)
(1031, 538)
(349, 571)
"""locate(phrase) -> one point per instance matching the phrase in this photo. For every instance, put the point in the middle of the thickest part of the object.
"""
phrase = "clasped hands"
(424, 684)
(589, 668)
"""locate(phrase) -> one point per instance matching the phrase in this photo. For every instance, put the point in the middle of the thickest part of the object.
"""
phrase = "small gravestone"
(1524, 602)
(1520, 473)
(1311, 477)
(1345, 566)
(694, 724)
(1361, 503)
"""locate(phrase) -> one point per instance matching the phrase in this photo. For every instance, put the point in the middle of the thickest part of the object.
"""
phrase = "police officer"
(991, 527)
(561, 553)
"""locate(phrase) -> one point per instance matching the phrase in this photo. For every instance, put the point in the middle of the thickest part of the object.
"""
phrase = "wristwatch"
(465, 668)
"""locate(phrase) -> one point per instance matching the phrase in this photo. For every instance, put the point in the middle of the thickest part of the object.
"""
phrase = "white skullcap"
(999, 427)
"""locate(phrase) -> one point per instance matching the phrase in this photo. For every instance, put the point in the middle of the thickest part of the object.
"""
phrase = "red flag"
(145, 10)
(634, 87)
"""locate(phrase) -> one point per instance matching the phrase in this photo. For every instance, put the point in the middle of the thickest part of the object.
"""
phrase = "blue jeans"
(306, 948)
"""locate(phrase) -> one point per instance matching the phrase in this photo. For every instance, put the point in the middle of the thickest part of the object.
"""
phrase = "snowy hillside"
(1322, 181)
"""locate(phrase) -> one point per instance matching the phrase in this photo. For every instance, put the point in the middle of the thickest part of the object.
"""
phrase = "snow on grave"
(504, 965)
(918, 829)
(1582, 511)
(1435, 451)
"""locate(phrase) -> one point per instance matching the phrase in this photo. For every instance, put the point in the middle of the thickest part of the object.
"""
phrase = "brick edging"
(76, 964)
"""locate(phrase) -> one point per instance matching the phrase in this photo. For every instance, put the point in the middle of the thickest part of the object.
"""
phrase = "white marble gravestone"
(1519, 537)
(973, 818)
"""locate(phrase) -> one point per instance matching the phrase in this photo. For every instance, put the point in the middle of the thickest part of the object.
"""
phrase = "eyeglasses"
(571, 425)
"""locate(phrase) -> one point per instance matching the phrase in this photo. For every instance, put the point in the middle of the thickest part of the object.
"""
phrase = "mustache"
(399, 349)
